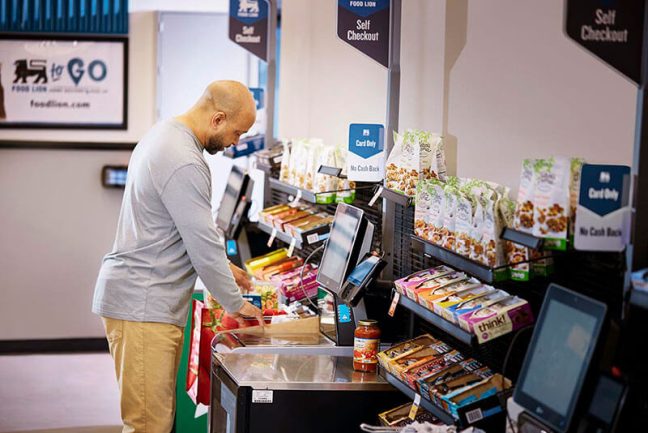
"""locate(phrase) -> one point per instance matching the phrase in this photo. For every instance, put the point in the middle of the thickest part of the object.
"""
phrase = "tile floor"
(60, 393)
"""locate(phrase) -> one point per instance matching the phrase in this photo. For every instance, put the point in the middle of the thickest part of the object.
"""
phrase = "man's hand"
(242, 278)
(248, 310)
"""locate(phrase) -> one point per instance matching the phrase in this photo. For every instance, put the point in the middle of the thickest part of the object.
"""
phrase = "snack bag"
(449, 234)
(437, 211)
(416, 155)
(295, 155)
(422, 211)
(312, 160)
(323, 182)
(463, 223)
(285, 161)
(574, 191)
(551, 201)
(477, 229)
(522, 221)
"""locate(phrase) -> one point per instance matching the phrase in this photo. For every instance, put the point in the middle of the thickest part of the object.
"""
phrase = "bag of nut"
(416, 155)
(464, 222)
(436, 230)
(551, 201)
(574, 191)
(422, 210)
(285, 162)
(449, 217)
(522, 221)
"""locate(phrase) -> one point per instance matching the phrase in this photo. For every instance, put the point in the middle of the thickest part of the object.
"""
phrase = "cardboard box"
(412, 292)
(499, 318)
(446, 307)
(428, 298)
(419, 277)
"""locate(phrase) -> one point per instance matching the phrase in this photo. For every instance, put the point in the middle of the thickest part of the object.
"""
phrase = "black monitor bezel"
(224, 223)
(577, 301)
(329, 283)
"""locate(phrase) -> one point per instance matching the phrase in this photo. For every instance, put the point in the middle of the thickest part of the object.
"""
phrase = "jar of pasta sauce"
(366, 345)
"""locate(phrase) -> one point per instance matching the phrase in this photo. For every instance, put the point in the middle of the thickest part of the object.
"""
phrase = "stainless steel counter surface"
(307, 344)
(298, 372)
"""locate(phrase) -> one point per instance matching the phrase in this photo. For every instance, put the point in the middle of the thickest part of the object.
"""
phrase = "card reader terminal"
(361, 278)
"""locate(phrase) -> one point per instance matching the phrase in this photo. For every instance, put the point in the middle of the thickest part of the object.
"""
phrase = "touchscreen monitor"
(559, 356)
(231, 197)
(340, 247)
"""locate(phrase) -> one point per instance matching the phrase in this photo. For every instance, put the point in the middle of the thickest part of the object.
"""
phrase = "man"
(166, 237)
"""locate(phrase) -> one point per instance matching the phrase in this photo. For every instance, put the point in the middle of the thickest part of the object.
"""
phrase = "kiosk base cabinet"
(327, 404)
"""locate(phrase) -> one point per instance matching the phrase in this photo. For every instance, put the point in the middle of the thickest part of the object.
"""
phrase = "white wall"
(56, 219)
(498, 78)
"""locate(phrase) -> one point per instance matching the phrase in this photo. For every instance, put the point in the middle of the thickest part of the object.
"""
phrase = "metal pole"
(393, 106)
(637, 251)
(272, 73)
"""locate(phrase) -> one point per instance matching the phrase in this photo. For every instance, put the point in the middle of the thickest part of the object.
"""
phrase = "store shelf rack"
(311, 237)
(484, 273)
(304, 194)
(396, 197)
(522, 238)
(468, 415)
(438, 321)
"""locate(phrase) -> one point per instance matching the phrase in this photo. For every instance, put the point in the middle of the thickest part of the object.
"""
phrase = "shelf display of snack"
(461, 305)
(451, 385)
(299, 224)
(300, 176)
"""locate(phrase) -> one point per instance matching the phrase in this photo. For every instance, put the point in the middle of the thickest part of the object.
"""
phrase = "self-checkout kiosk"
(563, 385)
(232, 215)
(306, 383)
(347, 270)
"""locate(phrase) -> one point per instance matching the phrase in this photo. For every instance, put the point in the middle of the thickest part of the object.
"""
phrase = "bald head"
(225, 110)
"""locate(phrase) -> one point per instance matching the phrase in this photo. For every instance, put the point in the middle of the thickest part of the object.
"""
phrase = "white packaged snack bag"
(422, 210)
(552, 201)
(416, 155)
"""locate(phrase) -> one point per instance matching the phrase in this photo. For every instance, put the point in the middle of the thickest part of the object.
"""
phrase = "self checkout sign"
(610, 29)
(248, 26)
(603, 215)
(364, 24)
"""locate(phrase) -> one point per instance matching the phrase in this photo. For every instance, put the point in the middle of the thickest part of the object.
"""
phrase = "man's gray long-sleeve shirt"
(166, 235)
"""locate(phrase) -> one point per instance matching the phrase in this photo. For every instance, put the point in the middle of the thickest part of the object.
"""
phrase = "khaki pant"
(146, 359)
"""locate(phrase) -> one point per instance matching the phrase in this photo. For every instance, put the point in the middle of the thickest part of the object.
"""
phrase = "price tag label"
(394, 304)
(291, 248)
(273, 235)
(312, 238)
(375, 197)
(415, 407)
(262, 396)
(297, 198)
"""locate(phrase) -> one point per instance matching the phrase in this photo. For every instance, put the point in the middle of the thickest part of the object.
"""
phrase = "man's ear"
(218, 119)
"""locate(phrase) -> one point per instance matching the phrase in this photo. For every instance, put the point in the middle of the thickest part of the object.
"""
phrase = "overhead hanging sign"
(603, 215)
(610, 29)
(364, 24)
(248, 26)
(63, 82)
(366, 158)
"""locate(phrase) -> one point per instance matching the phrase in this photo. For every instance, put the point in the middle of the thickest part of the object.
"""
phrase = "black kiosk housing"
(349, 241)
(561, 387)
(232, 213)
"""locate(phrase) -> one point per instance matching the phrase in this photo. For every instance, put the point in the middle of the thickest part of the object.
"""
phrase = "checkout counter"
(274, 383)
(260, 393)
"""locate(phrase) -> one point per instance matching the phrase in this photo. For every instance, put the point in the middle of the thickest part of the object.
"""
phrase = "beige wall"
(498, 78)
(56, 219)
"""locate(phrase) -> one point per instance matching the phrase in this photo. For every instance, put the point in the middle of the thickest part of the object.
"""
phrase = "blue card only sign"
(366, 159)
(603, 215)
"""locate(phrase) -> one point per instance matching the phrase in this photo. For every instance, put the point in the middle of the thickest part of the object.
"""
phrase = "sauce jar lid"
(367, 322)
